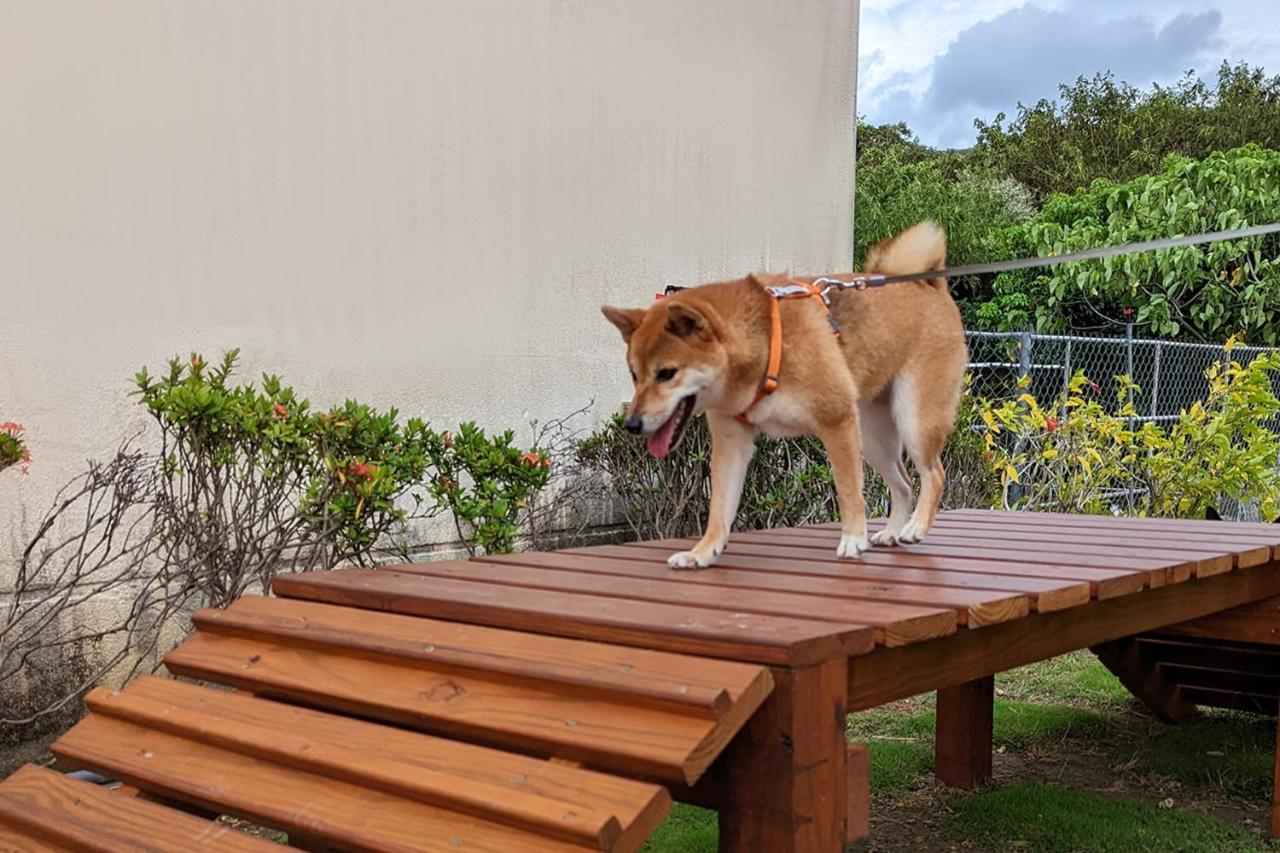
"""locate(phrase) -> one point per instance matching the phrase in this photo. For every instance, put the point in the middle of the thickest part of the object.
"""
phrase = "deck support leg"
(962, 748)
(1275, 790)
(783, 777)
(1143, 678)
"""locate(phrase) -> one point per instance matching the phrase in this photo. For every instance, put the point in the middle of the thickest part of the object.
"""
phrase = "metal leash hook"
(859, 282)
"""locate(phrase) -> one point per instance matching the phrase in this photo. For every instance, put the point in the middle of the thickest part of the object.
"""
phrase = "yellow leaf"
(1050, 453)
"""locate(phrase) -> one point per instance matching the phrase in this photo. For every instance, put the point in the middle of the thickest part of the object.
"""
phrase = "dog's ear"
(685, 321)
(626, 319)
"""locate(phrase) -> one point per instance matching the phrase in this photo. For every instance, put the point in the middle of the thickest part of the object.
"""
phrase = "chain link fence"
(1171, 374)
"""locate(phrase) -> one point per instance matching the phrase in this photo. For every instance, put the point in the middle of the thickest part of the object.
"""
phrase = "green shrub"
(788, 483)
(12, 448)
(1076, 454)
(254, 482)
(486, 482)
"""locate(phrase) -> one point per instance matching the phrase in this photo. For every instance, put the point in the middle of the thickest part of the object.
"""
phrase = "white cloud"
(938, 64)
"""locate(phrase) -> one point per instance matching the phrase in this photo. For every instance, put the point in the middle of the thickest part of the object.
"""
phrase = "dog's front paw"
(851, 546)
(912, 532)
(690, 560)
(886, 537)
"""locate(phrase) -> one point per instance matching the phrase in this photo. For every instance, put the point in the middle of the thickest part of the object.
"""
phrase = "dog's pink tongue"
(660, 439)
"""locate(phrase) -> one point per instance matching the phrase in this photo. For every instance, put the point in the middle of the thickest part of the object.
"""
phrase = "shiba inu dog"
(890, 380)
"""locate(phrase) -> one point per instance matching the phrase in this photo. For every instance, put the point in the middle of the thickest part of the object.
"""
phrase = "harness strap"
(792, 290)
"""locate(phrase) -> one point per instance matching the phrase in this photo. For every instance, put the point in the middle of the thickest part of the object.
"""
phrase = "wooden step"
(41, 810)
(651, 714)
(350, 783)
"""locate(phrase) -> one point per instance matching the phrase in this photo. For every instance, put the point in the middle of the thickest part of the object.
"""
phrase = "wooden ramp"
(362, 731)
(559, 701)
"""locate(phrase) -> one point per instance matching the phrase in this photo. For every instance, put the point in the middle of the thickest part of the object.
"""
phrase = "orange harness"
(792, 290)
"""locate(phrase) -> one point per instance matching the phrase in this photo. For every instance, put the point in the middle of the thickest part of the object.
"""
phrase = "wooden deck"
(612, 664)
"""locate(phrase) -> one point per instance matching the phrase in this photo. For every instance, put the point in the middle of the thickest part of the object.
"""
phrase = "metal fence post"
(1024, 370)
(1128, 366)
(1155, 380)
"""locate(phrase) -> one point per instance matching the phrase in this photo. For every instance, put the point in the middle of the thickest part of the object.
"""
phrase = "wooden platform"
(727, 687)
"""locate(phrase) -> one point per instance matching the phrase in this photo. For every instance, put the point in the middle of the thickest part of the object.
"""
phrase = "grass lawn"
(1078, 767)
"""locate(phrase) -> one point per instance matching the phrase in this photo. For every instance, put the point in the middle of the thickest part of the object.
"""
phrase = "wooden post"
(962, 749)
(857, 765)
(1275, 790)
(783, 777)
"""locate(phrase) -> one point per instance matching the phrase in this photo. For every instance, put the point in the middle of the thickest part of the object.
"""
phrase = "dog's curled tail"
(920, 248)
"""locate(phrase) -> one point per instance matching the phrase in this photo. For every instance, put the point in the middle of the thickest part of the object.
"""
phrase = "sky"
(939, 64)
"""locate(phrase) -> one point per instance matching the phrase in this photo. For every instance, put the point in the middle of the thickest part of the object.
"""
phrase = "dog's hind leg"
(732, 446)
(924, 426)
(883, 449)
(842, 444)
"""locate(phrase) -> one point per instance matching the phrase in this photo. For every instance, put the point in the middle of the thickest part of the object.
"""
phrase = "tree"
(1201, 292)
(901, 182)
(1098, 128)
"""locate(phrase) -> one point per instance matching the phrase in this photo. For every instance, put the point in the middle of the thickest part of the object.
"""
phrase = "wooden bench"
(42, 810)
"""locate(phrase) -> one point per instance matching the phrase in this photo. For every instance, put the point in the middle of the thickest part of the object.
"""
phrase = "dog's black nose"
(634, 424)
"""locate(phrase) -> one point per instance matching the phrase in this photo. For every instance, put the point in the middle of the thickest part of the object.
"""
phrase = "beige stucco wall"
(412, 202)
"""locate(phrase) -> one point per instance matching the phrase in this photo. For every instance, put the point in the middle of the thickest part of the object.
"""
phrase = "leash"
(862, 281)
(821, 288)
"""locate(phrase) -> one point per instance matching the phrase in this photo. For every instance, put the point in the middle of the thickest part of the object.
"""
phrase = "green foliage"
(789, 481)
(688, 829)
(1205, 292)
(256, 482)
(1057, 820)
(900, 183)
(12, 448)
(486, 482)
(1098, 128)
(1074, 455)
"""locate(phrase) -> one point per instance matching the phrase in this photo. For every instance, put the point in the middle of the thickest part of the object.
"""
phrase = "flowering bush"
(1079, 454)
(12, 448)
(254, 482)
(485, 482)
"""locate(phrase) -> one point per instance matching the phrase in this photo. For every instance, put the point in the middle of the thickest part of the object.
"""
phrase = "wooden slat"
(664, 627)
(895, 624)
(635, 676)
(1219, 528)
(1232, 700)
(1045, 594)
(338, 813)
(616, 708)
(44, 810)
(1218, 679)
(575, 806)
(1194, 651)
(1248, 549)
(890, 674)
(974, 608)
(1171, 567)
(1104, 582)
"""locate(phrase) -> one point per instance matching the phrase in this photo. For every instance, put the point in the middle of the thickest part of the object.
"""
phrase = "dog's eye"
(665, 374)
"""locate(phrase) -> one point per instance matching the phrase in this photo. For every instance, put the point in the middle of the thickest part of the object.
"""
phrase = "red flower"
(1094, 386)
(535, 459)
(1051, 424)
(280, 410)
(358, 469)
